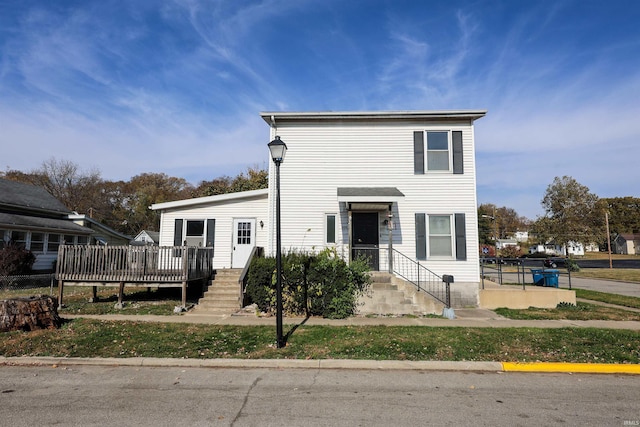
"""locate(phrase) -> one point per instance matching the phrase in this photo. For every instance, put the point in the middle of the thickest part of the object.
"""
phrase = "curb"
(590, 368)
(549, 367)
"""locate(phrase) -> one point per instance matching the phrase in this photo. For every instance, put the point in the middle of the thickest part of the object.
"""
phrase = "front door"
(244, 239)
(364, 230)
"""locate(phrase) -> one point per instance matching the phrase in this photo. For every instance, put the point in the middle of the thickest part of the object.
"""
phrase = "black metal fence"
(514, 270)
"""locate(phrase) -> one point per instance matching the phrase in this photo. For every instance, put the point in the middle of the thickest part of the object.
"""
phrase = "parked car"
(554, 262)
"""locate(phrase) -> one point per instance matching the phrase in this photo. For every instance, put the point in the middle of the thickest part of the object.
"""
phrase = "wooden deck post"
(60, 293)
(120, 294)
(184, 294)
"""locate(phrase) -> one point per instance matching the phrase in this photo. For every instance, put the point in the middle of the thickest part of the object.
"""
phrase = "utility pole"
(606, 218)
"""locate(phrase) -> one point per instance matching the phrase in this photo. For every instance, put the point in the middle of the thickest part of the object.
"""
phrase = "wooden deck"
(162, 266)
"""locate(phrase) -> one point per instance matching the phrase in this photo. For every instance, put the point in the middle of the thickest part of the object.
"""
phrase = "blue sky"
(175, 86)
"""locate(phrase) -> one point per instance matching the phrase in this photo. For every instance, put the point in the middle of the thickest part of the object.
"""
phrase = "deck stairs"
(223, 296)
(391, 295)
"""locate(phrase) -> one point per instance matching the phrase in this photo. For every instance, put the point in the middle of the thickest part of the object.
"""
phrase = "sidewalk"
(466, 317)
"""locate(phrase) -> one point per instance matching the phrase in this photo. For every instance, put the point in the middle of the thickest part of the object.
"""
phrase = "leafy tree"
(500, 223)
(572, 213)
(624, 214)
(254, 179)
(78, 190)
(131, 200)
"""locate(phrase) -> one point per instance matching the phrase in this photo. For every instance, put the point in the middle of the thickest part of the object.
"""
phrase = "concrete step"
(391, 295)
(222, 295)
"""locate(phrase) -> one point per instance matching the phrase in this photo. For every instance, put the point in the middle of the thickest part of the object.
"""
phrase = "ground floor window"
(441, 236)
(330, 229)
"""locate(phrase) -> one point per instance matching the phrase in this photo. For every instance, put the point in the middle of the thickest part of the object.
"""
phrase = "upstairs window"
(438, 151)
(443, 151)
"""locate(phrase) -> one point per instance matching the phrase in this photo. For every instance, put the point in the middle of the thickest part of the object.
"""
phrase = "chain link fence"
(28, 282)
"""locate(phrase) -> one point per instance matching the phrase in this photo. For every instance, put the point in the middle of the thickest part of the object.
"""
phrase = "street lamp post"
(278, 149)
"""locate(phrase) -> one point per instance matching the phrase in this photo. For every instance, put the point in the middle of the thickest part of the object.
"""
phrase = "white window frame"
(41, 242)
(185, 236)
(452, 255)
(335, 228)
(449, 151)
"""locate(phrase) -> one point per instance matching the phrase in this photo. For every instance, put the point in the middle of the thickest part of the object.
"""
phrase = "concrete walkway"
(467, 317)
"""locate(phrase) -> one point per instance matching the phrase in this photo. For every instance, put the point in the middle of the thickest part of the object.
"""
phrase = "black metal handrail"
(421, 277)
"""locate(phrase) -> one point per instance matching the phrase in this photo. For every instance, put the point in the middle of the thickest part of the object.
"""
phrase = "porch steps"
(390, 295)
(223, 296)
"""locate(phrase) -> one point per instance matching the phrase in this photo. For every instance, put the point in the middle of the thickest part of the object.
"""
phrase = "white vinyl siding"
(322, 157)
(223, 213)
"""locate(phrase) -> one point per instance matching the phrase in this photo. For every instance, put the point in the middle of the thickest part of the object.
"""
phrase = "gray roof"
(369, 192)
(22, 196)
(15, 221)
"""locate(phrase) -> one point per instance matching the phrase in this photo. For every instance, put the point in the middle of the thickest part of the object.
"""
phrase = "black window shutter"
(461, 237)
(211, 233)
(177, 233)
(418, 152)
(421, 236)
(458, 165)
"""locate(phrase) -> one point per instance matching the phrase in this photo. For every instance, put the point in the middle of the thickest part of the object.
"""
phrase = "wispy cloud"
(176, 85)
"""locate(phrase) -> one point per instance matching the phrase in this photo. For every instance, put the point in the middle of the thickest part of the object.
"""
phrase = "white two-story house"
(366, 183)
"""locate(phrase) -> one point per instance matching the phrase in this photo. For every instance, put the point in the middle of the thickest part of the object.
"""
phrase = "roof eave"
(271, 116)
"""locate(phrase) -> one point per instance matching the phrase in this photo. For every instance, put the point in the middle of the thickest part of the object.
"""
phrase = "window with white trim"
(438, 150)
(330, 228)
(53, 243)
(37, 242)
(442, 151)
(440, 236)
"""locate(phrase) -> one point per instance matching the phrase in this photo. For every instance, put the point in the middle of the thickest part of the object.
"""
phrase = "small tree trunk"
(28, 314)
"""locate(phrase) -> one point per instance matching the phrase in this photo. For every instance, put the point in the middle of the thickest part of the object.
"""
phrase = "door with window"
(244, 239)
(364, 237)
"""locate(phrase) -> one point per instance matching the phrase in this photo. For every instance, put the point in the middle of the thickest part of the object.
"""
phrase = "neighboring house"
(359, 182)
(102, 235)
(503, 243)
(574, 249)
(521, 236)
(34, 219)
(627, 243)
(146, 237)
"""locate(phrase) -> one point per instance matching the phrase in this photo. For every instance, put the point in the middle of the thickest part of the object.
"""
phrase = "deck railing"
(133, 263)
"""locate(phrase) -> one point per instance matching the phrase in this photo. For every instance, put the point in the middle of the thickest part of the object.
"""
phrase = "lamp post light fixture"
(278, 149)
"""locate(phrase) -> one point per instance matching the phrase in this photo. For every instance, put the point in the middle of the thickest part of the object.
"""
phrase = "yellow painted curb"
(595, 368)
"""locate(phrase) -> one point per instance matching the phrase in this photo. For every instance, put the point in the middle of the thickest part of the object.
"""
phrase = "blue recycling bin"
(551, 278)
(538, 277)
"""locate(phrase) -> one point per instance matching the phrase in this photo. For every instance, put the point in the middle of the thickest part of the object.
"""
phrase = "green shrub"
(15, 260)
(572, 265)
(312, 284)
(259, 279)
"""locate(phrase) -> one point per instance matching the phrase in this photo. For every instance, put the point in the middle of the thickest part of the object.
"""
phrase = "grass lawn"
(622, 274)
(94, 338)
(581, 311)
(158, 301)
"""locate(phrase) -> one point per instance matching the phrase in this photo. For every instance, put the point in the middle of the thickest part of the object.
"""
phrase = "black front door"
(365, 237)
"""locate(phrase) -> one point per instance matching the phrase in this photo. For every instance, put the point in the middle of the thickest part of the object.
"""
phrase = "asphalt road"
(588, 263)
(137, 396)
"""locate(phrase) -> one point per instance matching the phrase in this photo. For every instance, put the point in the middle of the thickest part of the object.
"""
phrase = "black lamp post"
(278, 149)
